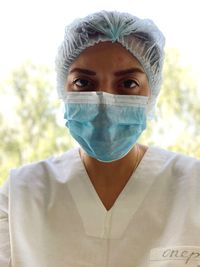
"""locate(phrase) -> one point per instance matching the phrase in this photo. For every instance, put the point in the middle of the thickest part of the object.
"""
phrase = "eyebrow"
(84, 71)
(117, 73)
(128, 71)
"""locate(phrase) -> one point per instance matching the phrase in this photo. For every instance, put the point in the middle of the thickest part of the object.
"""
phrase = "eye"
(81, 83)
(129, 83)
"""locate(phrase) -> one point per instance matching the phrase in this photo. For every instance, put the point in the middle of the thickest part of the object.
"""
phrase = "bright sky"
(34, 28)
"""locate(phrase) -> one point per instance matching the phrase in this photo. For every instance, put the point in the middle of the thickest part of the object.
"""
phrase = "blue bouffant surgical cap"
(139, 36)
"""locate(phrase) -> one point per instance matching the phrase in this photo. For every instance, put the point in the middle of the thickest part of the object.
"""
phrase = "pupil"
(128, 83)
(82, 82)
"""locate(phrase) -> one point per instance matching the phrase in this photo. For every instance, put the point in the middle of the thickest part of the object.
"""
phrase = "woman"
(111, 202)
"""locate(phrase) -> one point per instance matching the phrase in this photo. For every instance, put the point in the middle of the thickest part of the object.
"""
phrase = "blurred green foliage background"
(32, 124)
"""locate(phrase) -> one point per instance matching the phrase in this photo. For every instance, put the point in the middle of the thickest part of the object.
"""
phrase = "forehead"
(106, 54)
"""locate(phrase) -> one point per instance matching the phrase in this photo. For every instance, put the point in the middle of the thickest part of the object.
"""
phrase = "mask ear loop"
(151, 109)
(138, 158)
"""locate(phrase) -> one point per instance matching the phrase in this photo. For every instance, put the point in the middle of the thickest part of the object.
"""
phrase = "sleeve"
(5, 252)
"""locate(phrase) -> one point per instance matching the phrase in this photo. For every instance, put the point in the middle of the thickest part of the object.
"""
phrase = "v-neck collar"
(97, 220)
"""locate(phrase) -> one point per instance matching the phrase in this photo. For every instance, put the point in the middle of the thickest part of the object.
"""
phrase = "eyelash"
(132, 81)
(91, 84)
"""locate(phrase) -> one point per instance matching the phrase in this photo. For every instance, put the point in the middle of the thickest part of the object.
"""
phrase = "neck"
(109, 172)
(109, 179)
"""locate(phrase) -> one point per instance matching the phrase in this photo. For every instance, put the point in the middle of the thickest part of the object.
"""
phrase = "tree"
(31, 131)
(177, 125)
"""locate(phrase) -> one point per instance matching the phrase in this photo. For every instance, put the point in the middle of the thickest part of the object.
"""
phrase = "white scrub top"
(51, 215)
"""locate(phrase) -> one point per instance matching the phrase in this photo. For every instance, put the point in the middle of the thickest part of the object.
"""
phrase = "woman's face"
(110, 68)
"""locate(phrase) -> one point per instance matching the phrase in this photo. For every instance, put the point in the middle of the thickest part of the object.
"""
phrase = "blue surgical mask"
(105, 125)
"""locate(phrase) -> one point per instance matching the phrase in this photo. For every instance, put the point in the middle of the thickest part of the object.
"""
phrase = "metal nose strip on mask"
(106, 98)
